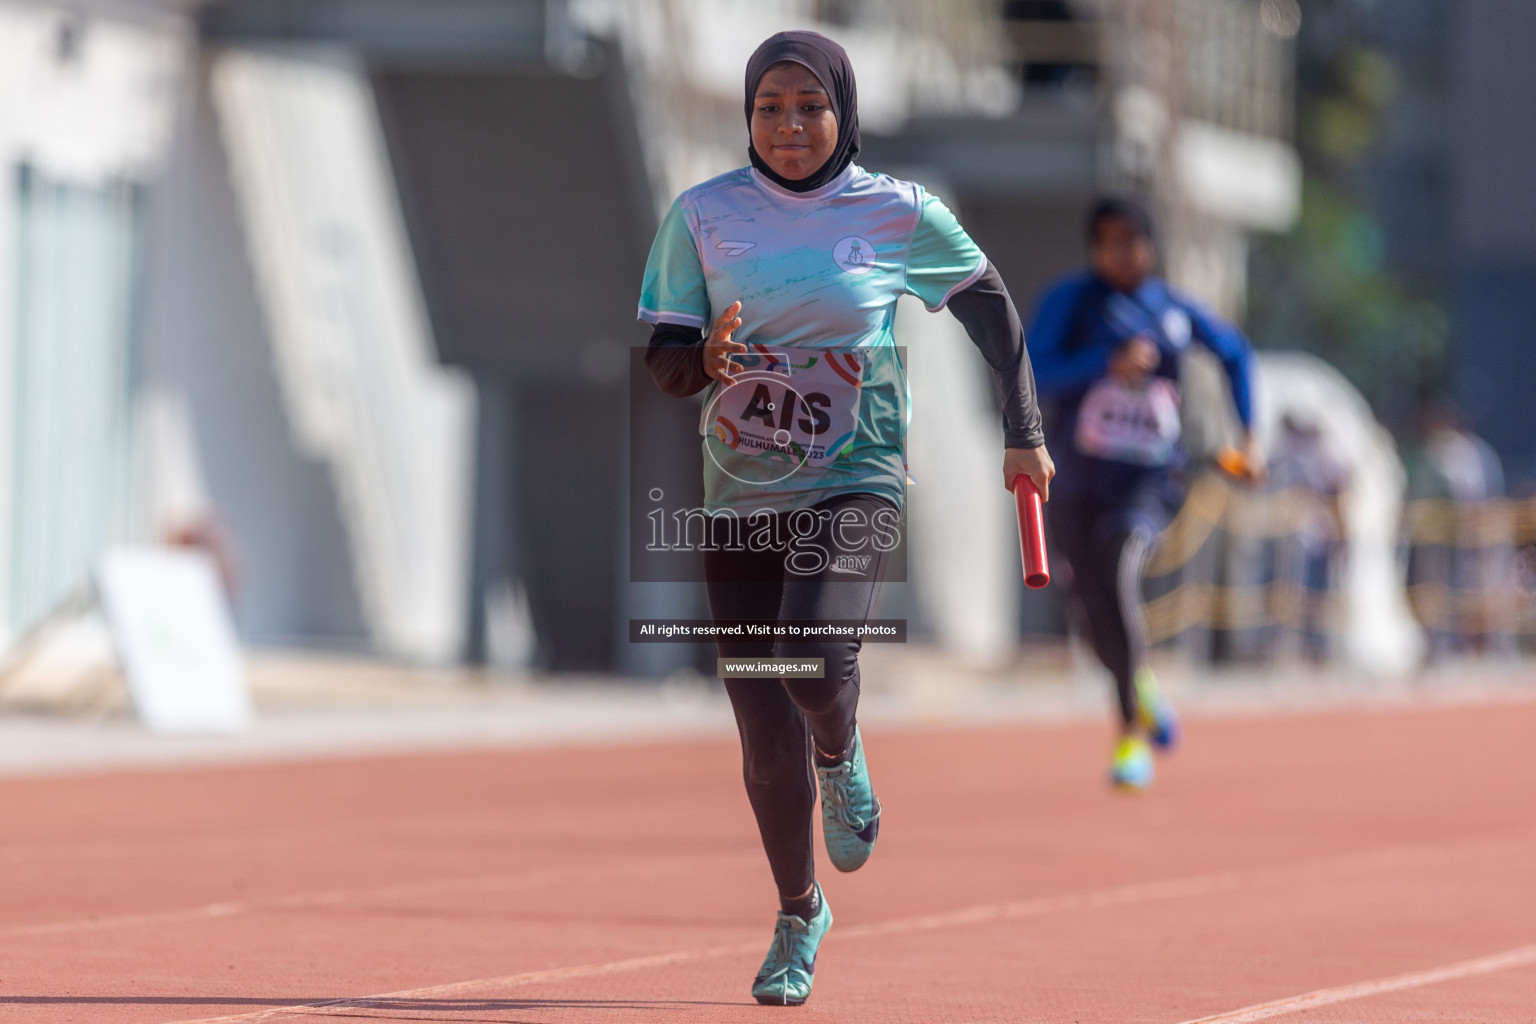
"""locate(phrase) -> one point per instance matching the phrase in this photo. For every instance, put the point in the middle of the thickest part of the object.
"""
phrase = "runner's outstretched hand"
(1245, 463)
(1034, 463)
(719, 346)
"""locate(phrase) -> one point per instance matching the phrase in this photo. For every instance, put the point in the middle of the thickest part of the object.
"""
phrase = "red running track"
(1345, 866)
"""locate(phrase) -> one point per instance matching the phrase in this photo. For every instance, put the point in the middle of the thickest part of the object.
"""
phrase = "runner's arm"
(1229, 346)
(674, 358)
(992, 322)
(674, 300)
(1059, 370)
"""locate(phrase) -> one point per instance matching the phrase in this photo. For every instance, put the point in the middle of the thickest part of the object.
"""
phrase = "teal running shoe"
(850, 814)
(1132, 765)
(789, 970)
(1153, 712)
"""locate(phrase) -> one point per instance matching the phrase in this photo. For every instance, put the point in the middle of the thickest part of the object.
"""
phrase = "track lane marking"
(304, 900)
(207, 841)
(1400, 855)
(1119, 896)
(1408, 854)
(1522, 956)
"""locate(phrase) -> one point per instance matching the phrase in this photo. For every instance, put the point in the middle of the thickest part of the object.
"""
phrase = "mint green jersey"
(820, 408)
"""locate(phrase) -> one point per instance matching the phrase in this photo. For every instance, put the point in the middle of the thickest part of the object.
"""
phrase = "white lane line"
(125, 921)
(465, 987)
(1402, 855)
(1121, 896)
(211, 910)
(330, 831)
(1407, 854)
(1173, 889)
(1522, 957)
(296, 901)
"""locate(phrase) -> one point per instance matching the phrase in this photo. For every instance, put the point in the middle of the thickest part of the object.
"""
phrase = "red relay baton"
(1037, 569)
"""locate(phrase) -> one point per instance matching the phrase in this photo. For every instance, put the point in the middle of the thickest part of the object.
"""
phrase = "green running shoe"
(850, 813)
(790, 967)
(1153, 712)
(1132, 766)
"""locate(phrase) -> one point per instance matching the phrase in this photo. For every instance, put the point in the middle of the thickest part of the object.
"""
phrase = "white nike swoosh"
(734, 248)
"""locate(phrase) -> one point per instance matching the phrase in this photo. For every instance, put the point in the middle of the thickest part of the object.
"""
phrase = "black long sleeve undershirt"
(674, 357)
(989, 317)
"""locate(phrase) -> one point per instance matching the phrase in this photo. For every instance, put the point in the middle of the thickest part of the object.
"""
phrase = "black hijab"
(829, 63)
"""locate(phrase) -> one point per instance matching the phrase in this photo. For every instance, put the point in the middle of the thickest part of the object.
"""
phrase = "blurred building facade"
(86, 115)
(1492, 155)
(1419, 146)
(1187, 102)
(351, 282)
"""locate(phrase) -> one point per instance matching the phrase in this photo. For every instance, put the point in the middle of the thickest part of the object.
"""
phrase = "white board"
(171, 624)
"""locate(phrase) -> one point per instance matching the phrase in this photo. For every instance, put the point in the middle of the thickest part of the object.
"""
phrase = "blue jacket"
(1080, 321)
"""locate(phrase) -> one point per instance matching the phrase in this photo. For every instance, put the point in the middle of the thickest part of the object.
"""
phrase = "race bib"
(1139, 425)
(796, 404)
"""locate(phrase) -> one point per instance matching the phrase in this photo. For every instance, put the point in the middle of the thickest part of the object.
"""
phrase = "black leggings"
(1107, 548)
(778, 718)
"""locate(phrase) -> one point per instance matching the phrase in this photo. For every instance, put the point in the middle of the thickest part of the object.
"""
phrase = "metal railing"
(1236, 560)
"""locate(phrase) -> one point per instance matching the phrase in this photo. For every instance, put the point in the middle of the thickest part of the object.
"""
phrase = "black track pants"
(1107, 548)
(778, 718)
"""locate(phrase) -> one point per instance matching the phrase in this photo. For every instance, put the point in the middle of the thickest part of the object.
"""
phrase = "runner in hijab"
(1106, 345)
(773, 288)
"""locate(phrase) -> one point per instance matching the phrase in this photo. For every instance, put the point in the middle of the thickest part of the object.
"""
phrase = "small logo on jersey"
(1177, 327)
(854, 254)
(734, 248)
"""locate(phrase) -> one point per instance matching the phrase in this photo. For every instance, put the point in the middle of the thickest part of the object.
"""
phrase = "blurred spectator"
(1307, 475)
(1461, 569)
